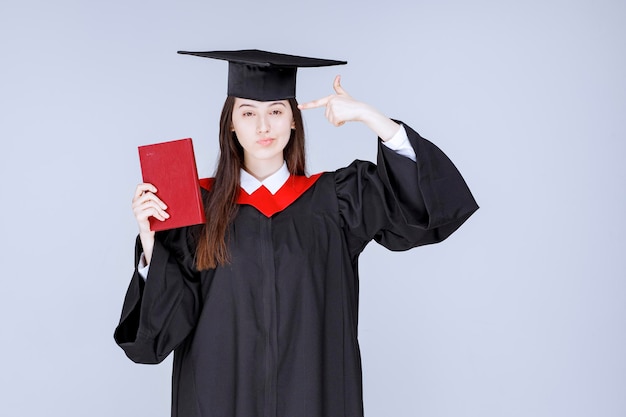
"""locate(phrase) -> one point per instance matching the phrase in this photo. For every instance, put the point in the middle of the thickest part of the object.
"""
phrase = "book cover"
(171, 168)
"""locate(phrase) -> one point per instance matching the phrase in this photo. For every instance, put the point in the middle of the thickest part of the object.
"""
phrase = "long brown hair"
(220, 207)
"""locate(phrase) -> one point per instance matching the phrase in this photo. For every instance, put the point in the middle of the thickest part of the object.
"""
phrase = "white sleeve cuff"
(400, 144)
(143, 268)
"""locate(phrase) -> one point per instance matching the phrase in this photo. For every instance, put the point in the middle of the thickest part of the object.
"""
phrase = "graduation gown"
(274, 333)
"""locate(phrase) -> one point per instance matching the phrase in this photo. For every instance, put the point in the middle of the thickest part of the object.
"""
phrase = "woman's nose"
(263, 125)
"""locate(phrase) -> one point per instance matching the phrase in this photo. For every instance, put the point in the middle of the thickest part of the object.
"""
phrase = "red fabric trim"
(207, 183)
(267, 203)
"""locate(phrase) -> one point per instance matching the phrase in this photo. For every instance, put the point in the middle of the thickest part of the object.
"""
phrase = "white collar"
(273, 183)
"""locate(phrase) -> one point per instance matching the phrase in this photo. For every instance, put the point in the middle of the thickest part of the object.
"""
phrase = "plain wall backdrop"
(522, 312)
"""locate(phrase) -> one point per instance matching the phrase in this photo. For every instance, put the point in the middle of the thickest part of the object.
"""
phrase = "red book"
(171, 168)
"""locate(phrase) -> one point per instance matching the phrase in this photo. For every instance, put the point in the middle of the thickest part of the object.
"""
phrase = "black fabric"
(261, 83)
(274, 333)
(262, 75)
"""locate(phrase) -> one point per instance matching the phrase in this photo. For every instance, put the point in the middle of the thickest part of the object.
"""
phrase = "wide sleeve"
(401, 203)
(159, 312)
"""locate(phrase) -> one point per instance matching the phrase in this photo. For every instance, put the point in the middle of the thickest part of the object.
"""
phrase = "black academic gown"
(274, 333)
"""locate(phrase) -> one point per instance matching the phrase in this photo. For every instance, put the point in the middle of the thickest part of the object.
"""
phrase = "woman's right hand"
(145, 205)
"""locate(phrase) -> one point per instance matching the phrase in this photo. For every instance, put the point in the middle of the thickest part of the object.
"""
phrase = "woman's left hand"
(342, 108)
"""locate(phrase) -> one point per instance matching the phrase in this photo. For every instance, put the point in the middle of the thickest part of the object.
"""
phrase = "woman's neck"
(263, 168)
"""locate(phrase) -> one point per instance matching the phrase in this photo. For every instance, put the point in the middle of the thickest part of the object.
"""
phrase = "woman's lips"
(265, 141)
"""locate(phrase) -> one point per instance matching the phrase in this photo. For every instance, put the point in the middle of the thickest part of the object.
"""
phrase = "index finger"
(315, 103)
(144, 187)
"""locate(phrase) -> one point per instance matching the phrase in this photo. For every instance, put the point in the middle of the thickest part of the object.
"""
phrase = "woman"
(260, 304)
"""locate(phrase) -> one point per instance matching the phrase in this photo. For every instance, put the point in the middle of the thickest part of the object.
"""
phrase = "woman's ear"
(232, 127)
(293, 124)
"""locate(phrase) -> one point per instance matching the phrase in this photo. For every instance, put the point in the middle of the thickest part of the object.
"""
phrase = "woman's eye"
(277, 112)
(247, 114)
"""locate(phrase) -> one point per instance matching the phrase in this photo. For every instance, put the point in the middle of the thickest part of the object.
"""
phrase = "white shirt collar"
(273, 183)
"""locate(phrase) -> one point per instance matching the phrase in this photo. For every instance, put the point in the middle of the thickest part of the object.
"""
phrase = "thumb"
(338, 88)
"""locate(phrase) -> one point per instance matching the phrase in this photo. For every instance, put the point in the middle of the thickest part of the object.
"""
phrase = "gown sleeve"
(159, 313)
(400, 203)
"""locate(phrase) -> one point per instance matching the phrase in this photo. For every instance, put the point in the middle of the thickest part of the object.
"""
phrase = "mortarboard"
(263, 76)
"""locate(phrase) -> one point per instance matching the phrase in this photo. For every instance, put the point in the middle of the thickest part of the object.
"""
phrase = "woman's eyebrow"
(254, 106)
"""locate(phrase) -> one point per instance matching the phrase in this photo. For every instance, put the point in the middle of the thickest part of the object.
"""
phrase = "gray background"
(520, 313)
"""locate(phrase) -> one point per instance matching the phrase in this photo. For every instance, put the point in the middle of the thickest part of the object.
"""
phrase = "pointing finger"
(315, 103)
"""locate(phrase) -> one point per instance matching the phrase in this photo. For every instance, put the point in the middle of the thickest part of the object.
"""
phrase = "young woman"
(260, 304)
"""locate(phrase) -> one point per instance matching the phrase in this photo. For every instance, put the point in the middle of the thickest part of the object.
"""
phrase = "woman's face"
(263, 129)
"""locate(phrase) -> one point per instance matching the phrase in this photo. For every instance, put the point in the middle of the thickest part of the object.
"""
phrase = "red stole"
(264, 201)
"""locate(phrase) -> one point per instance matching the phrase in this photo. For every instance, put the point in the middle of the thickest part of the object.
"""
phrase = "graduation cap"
(261, 75)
